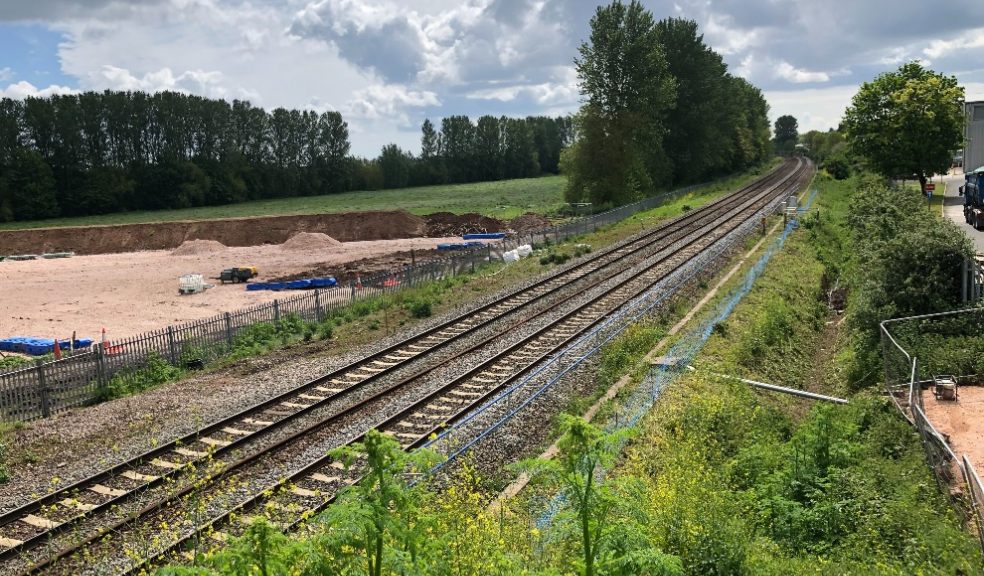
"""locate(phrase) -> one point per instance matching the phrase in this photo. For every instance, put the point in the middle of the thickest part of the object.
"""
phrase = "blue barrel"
(257, 286)
(298, 284)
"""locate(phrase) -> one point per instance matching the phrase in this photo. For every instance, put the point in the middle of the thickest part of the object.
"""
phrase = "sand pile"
(310, 241)
(196, 247)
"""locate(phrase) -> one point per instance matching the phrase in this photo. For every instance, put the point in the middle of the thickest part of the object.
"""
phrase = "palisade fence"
(914, 350)
(83, 378)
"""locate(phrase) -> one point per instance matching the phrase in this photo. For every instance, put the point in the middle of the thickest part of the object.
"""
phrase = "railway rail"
(314, 486)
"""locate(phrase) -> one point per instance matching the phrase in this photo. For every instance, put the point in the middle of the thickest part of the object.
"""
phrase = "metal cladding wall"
(974, 135)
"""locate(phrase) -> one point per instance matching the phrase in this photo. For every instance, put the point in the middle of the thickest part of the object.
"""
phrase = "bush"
(156, 372)
(419, 308)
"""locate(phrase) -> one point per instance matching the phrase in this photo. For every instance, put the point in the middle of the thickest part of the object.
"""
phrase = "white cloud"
(6, 74)
(23, 89)
(189, 82)
(814, 108)
(966, 41)
(787, 71)
(388, 101)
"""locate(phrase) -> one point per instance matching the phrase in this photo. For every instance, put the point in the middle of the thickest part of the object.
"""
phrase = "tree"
(695, 132)
(624, 78)
(395, 166)
(27, 188)
(787, 133)
(908, 122)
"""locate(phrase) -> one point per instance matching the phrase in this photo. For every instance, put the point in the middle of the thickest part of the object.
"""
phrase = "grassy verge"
(745, 482)
(503, 199)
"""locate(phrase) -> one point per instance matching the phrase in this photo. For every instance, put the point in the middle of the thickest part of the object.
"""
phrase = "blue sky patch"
(31, 53)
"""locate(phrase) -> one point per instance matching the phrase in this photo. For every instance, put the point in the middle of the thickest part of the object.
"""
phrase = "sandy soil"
(961, 421)
(138, 291)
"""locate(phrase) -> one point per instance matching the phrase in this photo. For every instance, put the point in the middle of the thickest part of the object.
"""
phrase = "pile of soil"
(196, 247)
(442, 224)
(309, 241)
(529, 222)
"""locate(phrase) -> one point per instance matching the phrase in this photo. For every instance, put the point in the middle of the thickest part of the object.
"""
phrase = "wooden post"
(276, 311)
(228, 322)
(172, 347)
(45, 401)
(317, 305)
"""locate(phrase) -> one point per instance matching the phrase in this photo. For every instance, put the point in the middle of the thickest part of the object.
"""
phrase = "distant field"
(503, 199)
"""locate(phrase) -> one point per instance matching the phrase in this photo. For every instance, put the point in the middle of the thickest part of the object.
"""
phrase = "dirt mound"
(442, 224)
(529, 222)
(346, 227)
(196, 247)
(309, 241)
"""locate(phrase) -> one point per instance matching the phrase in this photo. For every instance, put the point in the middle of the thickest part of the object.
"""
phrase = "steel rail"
(329, 464)
(137, 466)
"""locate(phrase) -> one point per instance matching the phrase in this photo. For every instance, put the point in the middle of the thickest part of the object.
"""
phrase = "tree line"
(492, 148)
(661, 110)
(102, 152)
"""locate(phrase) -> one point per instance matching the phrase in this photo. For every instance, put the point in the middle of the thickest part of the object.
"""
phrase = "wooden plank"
(106, 490)
(166, 464)
(10, 542)
(214, 441)
(132, 475)
(191, 453)
(318, 477)
(39, 522)
(304, 492)
(73, 503)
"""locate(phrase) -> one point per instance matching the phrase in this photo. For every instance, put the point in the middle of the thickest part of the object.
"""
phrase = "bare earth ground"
(961, 421)
(134, 292)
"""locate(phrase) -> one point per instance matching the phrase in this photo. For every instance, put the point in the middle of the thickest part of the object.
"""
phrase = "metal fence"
(48, 387)
(943, 341)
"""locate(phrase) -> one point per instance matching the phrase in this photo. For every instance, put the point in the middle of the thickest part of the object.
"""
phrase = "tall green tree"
(628, 91)
(695, 132)
(907, 122)
(395, 165)
(787, 133)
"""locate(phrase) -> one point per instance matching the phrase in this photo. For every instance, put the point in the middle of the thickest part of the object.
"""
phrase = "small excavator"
(240, 274)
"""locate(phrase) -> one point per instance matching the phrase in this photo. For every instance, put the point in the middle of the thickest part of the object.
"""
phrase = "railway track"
(676, 240)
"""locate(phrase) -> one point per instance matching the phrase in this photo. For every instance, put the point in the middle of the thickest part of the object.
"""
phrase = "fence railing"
(48, 387)
(906, 377)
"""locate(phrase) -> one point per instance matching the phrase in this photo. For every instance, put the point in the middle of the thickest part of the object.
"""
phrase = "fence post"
(101, 365)
(317, 305)
(45, 401)
(228, 319)
(172, 346)
(276, 311)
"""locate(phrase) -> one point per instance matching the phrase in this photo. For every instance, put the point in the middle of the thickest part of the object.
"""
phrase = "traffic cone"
(57, 350)
(358, 281)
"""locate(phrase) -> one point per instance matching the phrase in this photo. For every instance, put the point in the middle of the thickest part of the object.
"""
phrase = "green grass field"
(504, 199)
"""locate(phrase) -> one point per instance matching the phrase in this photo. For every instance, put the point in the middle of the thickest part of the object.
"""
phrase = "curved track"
(672, 244)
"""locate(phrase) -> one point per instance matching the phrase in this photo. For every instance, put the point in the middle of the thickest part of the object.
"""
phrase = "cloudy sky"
(388, 64)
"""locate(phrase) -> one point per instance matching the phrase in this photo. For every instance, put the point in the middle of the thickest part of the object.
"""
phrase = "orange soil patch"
(962, 421)
(138, 291)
